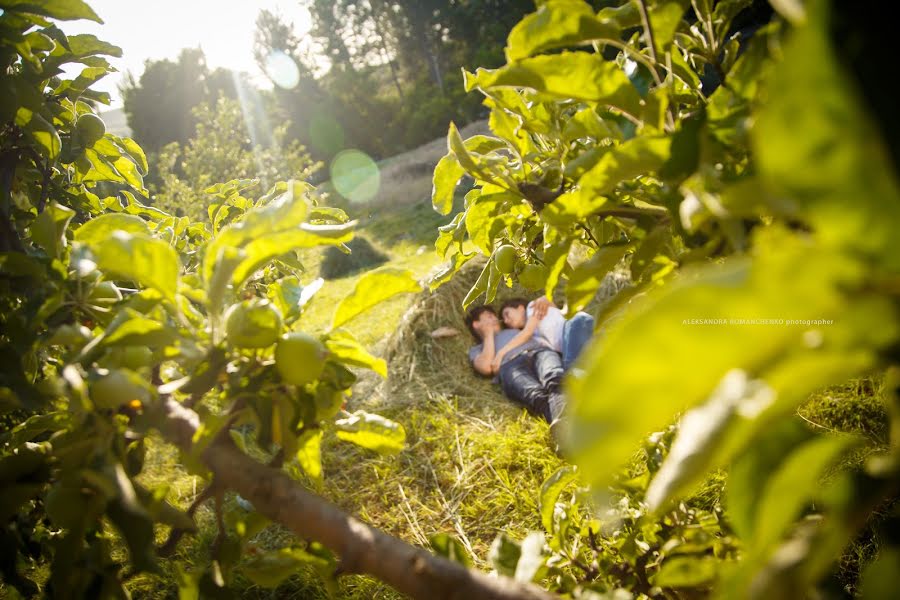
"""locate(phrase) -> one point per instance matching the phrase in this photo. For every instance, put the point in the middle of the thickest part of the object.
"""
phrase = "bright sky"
(161, 28)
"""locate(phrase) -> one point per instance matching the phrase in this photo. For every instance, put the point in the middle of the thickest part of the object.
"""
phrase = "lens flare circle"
(355, 175)
(282, 70)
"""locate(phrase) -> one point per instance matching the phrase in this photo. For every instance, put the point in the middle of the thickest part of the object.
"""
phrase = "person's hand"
(495, 364)
(540, 306)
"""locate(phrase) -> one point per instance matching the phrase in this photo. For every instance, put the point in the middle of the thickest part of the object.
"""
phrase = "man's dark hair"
(513, 303)
(474, 314)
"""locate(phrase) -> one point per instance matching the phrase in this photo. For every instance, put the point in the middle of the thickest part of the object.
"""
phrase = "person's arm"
(523, 336)
(482, 362)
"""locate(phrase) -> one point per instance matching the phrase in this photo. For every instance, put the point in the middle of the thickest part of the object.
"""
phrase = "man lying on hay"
(529, 351)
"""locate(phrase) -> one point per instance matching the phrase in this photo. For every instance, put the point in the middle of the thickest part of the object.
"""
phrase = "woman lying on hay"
(529, 351)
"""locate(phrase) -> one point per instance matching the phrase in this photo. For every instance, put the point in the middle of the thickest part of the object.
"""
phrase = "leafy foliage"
(112, 307)
(747, 186)
(225, 146)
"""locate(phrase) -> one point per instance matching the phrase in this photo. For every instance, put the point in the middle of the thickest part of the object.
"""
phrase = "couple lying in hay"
(527, 348)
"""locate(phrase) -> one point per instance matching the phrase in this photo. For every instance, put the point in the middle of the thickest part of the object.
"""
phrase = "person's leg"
(548, 368)
(577, 333)
(520, 384)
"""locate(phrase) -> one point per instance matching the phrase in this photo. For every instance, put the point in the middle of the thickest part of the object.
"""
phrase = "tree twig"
(168, 547)
(648, 29)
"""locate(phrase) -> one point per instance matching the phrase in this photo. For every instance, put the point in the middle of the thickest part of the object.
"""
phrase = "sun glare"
(160, 30)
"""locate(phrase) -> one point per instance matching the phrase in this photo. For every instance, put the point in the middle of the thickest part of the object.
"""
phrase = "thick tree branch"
(362, 549)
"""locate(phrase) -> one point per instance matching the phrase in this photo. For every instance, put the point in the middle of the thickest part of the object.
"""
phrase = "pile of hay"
(337, 263)
(422, 364)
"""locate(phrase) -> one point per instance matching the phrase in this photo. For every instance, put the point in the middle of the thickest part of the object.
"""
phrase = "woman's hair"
(513, 303)
(473, 315)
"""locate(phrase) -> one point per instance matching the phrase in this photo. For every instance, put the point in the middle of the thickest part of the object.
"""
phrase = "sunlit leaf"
(577, 75)
(372, 432)
(450, 548)
(840, 160)
(557, 24)
(687, 571)
(344, 348)
(309, 454)
(724, 317)
(372, 289)
(65, 10)
(269, 569)
(585, 280)
(551, 489)
(102, 227)
(147, 261)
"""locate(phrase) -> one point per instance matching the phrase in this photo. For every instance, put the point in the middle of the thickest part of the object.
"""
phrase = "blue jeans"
(534, 380)
(577, 333)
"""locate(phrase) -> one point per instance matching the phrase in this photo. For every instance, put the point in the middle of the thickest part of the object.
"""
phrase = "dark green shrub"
(336, 263)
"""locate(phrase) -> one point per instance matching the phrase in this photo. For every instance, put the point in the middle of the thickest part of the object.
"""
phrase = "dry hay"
(426, 360)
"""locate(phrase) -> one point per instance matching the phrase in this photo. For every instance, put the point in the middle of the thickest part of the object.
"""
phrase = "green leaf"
(556, 260)
(587, 123)
(327, 214)
(133, 522)
(748, 475)
(344, 348)
(568, 75)
(557, 24)
(504, 555)
(130, 328)
(134, 150)
(284, 214)
(705, 431)
(309, 454)
(149, 262)
(34, 426)
(880, 578)
(16, 264)
(49, 228)
(687, 571)
(708, 322)
(46, 136)
(84, 45)
(269, 569)
(792, 10)
(447, 273)
(101, 228)
(262, 251)
(841, 160)
(451, 548)
(287, 295)
(637, 157)
(665, 17)
(372, 432)
(446, 177)
(789, 489)
(531, 558)
(551, 490)
(587, 277)
(64, 10)
(372, 289)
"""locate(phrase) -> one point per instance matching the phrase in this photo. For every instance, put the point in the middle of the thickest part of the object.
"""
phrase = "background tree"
(229, 143)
